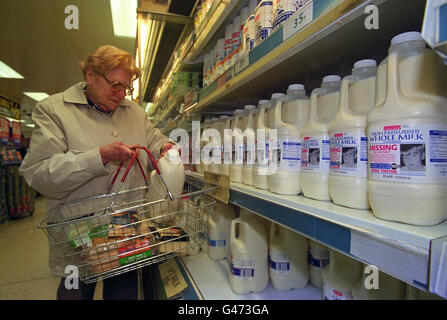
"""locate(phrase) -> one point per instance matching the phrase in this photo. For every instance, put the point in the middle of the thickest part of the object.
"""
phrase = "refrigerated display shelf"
(400, 250)
(211, 279)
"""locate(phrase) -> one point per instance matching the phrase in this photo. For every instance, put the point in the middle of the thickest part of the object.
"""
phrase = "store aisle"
(24, 272)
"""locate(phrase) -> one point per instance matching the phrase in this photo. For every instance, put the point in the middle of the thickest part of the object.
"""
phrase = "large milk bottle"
(173, 172)
(219, 226)
(287, 259)
(262, 147)
(238, 147)
(235, 39)
(315, 146)
(341, 275)
(387, 287)
(206, 152)
(289, 117)
(227, 147)
(318, 258)
(407, 134)
(249, 145)
(276, 99)
(348, 177)
(228, 46)
(217, 148)
(248, 254)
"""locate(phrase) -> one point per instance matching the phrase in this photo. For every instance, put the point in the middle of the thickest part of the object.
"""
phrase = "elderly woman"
(80, 137)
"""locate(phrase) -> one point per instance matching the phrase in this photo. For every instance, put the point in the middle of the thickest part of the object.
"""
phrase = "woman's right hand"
(116, 151)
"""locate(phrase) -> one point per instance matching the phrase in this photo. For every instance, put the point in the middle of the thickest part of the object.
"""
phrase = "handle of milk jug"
(344, 95)
(393, 89)
(313, 104)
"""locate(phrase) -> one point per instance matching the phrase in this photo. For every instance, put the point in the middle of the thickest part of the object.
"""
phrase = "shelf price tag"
(298, 21)
(242, 63)
(221, 81)
(223, 192)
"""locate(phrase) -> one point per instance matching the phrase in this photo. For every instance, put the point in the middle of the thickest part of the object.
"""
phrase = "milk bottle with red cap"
(315, 145)
(407, 135)
(348, 177)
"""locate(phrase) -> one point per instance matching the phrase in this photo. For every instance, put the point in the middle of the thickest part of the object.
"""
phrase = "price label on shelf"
(242, 63)
(298, 21)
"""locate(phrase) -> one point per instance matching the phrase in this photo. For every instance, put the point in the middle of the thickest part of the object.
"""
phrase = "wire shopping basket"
(117, 232)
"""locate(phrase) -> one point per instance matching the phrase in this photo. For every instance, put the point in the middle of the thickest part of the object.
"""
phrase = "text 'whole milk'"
(407, 135)
(340, 277)
(249, 145)
(289, 117)
(315, 145)
(348, 179)
(248, 254)
(219, 227)
(260, 169)
(318, 259)
(288, 267)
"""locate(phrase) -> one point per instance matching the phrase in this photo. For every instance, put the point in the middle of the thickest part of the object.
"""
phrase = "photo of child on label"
(412, 157)
(314, 157)
(349, 157)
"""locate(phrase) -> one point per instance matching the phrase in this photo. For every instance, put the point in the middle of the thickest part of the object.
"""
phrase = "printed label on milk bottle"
(408, 153)
(332, 294)
(315, 154)
(242, 268)
(262, 153)
(279, 262)
(349, 154)
(288, 154)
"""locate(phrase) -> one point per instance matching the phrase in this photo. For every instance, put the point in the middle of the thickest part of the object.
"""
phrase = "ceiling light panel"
(124, 15)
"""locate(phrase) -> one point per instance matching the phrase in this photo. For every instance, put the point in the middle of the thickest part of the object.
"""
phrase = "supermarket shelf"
(358, 233)
(211, 278)
(170, 108)
(300, 55)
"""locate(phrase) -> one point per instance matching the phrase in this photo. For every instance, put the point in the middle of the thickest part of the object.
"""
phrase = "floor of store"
(24, 272)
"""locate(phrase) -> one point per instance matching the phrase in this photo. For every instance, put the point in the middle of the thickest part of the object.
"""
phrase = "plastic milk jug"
(407, 135)
(287, 259)
(206, 165)
(227, 147)
(262, 146)
(249, 145)
(238, 147)
(173, 172)
(288, 119)
(348, 179)
(216, 152)
(340, 276)
(388, 287)
(219, 226)
(248, 254)
(277, 98)
(318, 258)
(315, 146)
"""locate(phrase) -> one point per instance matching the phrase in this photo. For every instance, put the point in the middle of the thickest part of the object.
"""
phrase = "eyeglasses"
(116, 86)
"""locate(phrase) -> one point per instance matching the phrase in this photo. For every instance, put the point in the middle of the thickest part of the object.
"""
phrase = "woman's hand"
(116, 151)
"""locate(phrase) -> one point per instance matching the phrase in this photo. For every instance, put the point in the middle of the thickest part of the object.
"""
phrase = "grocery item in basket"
(78, 233)
(123, 224)
(135, 250)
